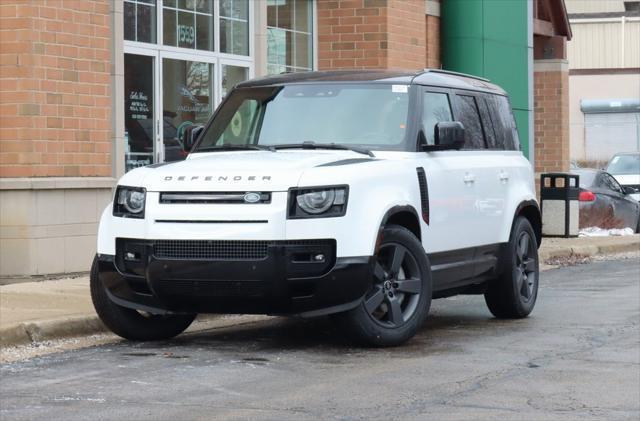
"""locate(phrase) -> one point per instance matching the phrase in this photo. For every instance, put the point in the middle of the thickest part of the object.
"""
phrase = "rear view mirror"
(629, 190)
(190, 136)
(448, 135)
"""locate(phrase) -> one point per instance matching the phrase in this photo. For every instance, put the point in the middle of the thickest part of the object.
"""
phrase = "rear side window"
(503, 123)
(609, 183)
(469, 116)
(435, 108)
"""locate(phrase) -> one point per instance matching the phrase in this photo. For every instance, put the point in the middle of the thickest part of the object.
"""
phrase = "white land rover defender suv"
(363, 195)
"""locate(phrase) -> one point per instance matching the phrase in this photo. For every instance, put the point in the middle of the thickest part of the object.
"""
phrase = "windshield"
(368, 115)
(624, 164)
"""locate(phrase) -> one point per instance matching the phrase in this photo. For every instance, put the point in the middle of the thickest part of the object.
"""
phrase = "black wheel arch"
(405, 216)
(531, 210)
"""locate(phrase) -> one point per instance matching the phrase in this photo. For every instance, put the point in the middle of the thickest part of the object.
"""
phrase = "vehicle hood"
(234, 171)
(627, 179)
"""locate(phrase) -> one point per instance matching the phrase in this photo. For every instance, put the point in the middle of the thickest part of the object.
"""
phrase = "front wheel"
(399, 297)
(131, 324)
(513, 295)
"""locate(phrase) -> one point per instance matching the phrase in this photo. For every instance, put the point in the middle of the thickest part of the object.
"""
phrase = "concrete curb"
(633, 244)
(36, 331)
(43, 330)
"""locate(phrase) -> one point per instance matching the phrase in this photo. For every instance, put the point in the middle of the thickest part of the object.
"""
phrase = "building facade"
(90, 89)
(604, 79)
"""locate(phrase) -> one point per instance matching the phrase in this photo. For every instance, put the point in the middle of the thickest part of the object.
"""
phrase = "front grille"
(210, 250)
(224, 249)
(245, 198)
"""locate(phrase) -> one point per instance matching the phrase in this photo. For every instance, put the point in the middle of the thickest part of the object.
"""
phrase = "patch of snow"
(601, 232)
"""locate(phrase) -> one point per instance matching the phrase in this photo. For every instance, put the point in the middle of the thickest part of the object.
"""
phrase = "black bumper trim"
(267, 287)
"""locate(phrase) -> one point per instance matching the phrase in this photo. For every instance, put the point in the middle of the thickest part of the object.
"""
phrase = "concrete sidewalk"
(44, 310)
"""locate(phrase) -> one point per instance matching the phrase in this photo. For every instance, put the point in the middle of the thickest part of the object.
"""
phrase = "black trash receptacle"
(559, 204)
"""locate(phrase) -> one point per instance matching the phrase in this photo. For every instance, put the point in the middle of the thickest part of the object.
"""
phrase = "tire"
(399, 298)
(513, 295)
(131, 324)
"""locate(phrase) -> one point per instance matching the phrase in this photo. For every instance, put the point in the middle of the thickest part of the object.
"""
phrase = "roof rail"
(449, 72)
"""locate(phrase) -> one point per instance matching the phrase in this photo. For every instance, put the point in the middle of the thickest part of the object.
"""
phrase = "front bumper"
(248, 277)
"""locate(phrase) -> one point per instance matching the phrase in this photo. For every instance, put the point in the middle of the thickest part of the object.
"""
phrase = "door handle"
(469, 178)
(504, 176)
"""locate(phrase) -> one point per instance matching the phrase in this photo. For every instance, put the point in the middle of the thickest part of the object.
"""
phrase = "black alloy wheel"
(525, 269)
(514, 292)
(398, 301)
(395, 293)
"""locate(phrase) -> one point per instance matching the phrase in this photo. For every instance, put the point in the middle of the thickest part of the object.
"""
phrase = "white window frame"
(313, 35)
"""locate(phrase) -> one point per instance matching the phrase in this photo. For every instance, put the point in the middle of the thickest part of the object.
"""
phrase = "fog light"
(130, 256)
(319, 257)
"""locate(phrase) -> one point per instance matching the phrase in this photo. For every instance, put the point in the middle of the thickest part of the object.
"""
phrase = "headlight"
(320, 202)
(129, 202)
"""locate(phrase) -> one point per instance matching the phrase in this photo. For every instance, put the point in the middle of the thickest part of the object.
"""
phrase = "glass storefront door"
(187, 98)
(162, 101)
(139, 116)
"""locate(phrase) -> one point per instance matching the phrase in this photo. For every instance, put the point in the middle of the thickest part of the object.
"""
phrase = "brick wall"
(551, 99)
(352, 34)
(55, 88)
(433, 42)
(407, 34)
(373, 34)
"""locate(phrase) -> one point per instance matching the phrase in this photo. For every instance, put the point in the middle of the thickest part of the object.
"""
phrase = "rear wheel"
(399, 298)
(514, 293)
(132, 324)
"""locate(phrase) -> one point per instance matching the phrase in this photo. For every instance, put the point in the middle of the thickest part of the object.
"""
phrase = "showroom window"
(289, 36)
(140, 20)
(188, 24)
(234, 27)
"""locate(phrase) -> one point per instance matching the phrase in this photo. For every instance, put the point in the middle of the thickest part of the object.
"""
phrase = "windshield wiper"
(249, 147)
(314, 145)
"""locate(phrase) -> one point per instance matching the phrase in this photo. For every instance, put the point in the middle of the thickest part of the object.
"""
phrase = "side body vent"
(424, 194)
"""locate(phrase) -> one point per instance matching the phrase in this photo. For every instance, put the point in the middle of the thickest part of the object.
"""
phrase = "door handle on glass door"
(469, 178)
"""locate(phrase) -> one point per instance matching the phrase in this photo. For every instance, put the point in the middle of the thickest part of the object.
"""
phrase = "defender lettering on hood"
(219, 178)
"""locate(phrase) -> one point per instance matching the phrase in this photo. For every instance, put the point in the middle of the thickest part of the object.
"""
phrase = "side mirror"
(448, 135)
(629, 190)
(190, 136)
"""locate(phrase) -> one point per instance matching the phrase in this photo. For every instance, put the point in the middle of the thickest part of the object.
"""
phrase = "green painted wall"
(490, 38)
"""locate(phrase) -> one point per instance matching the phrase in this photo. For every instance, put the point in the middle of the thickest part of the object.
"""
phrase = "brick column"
(551, 115)
(55, 104)
(433, 33)
(372, 34)
(433, 39)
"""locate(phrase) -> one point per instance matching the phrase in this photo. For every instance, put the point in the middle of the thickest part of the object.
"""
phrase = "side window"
(435, 108)
(504, 123)
(469, 116)
(487, 123)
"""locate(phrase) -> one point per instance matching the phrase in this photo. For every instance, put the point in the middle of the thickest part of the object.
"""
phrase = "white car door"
(487, 167)
(451, 184)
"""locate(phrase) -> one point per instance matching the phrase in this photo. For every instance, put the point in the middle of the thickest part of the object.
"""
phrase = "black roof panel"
(423, 77)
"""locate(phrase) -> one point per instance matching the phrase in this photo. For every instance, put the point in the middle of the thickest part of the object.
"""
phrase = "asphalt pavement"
(576, 357)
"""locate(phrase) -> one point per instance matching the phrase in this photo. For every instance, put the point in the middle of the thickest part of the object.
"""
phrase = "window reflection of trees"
(198, 78)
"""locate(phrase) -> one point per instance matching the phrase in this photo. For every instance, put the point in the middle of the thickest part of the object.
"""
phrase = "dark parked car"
(605, 203)
(625, 168)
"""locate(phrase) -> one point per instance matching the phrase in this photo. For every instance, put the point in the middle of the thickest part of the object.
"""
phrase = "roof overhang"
(550, 19)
